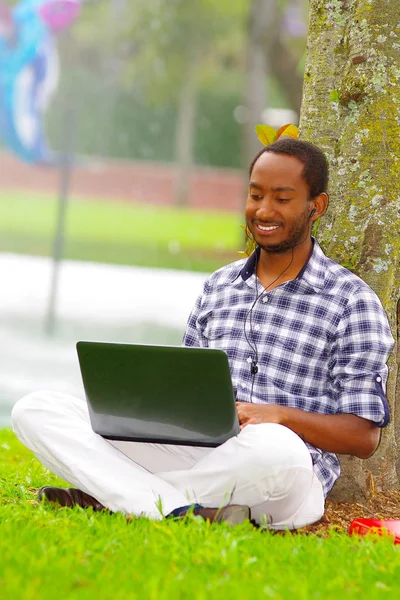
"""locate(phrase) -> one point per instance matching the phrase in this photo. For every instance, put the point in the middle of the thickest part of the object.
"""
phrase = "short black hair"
(315, 172)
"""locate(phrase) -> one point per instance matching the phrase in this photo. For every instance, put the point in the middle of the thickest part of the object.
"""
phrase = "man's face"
(278, 203)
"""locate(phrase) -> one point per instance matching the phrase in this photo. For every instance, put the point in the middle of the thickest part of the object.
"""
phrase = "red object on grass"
(376, 527)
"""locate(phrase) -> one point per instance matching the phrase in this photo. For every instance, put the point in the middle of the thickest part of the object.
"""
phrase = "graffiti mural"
(29, 72)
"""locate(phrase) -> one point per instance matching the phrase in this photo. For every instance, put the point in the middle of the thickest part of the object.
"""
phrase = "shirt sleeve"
(362, 347)
(193, 335)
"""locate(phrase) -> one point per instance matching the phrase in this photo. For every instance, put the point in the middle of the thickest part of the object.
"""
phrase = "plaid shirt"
(321, 342)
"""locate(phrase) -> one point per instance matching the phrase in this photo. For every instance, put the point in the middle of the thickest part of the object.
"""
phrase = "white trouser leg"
(57, 429)
(266, 466)
(310, 511)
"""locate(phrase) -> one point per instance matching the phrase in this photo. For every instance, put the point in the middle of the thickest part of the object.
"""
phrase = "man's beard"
(297, 235)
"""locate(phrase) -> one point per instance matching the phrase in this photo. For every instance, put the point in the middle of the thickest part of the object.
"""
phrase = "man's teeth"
(268, 228)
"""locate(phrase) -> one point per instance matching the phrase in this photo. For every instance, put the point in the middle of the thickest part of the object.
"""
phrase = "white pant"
(267, 466)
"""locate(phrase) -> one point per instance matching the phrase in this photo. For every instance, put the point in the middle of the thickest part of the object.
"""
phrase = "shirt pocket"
(219, 336)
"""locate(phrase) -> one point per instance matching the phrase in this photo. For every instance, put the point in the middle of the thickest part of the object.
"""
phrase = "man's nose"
(266, 209)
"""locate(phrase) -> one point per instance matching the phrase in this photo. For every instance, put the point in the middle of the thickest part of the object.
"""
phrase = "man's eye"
(255, 197)
(283, 200)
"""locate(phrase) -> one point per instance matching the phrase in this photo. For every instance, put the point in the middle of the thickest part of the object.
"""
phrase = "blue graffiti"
(29, 72)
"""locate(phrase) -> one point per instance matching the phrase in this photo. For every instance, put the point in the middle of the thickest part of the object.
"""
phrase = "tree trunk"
(185, 132)
(351, 109)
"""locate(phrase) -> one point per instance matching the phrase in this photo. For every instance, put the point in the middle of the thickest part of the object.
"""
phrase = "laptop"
(160, 394)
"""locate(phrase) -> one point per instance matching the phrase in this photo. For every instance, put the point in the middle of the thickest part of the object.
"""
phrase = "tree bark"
(351, 109)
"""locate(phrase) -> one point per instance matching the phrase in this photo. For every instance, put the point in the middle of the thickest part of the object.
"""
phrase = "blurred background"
(126, 128)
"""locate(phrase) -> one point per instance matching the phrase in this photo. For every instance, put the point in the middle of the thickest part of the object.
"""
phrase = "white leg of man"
(280, 489)
(309, 512)
(161, 457)
(267, 467)
(57, 429)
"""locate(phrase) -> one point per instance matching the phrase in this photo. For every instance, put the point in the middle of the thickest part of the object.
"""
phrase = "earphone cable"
(249, 314)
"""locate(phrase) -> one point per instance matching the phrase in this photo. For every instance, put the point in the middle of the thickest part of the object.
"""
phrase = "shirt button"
(257, 328)
(265, 299)
(379, 379)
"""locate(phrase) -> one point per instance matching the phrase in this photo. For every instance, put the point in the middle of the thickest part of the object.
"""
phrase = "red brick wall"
(219, 189)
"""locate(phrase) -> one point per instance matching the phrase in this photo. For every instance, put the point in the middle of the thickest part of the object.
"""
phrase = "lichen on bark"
(354, 49)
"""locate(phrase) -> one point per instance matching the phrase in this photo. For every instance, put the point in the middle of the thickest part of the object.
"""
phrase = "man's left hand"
(341, 433)
(253, 414)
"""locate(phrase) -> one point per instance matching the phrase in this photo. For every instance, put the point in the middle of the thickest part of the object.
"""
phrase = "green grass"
(51, 552)
(121, 233)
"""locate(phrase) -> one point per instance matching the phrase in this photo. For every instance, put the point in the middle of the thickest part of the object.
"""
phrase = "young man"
(307, 343)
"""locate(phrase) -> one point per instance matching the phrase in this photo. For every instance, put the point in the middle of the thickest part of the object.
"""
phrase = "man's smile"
(266, 229)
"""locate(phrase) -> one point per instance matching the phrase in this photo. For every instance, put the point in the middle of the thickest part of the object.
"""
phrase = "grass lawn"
(121, 233)
(49, 552)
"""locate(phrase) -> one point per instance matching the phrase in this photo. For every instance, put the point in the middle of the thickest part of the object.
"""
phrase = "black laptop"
(161, 394)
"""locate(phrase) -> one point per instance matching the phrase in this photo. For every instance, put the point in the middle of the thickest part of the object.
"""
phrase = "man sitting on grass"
(307, 343)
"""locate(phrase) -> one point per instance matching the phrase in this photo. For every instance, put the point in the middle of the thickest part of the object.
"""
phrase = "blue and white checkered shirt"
(321, 342)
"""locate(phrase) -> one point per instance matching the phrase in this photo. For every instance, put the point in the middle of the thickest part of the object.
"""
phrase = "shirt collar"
(312, 274)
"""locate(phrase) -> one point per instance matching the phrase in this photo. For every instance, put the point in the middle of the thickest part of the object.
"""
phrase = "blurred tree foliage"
(179, 46)
(275, 41)
(132, 68)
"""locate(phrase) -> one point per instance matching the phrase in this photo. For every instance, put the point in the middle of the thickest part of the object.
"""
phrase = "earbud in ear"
(314, 210)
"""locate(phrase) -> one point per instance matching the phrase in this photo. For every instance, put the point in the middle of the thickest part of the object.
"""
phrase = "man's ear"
(320, 204)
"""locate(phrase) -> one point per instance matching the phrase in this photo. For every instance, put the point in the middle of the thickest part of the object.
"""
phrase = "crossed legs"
(266, 467)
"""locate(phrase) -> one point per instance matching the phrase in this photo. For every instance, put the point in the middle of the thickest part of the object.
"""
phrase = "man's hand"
(253, 414)
(340, 433)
